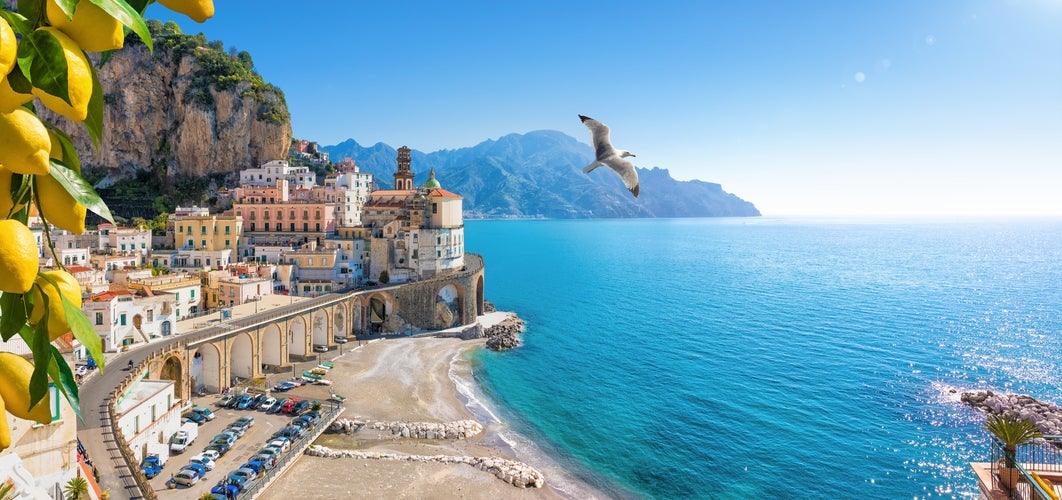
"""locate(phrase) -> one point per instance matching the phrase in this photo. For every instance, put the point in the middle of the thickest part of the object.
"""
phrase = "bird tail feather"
(590, 168)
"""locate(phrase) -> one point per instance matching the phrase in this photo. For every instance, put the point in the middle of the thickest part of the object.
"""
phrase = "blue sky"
(803, 108)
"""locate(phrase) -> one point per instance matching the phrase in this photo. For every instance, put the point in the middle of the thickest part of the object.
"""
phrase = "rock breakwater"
(1046, 416)
(515, 473)
(460, 429)
(505, 334)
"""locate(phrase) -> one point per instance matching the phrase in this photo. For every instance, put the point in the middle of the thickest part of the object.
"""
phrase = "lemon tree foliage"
(44, 47)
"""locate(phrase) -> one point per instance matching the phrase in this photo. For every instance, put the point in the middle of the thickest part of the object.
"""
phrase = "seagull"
(610, 156)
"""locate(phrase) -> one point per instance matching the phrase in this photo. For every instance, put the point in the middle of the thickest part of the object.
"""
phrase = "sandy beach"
(403, 379)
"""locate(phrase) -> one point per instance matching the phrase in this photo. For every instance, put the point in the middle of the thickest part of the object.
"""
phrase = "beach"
(401, 379)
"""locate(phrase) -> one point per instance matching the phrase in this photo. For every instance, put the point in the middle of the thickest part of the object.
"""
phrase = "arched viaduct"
(245, 348)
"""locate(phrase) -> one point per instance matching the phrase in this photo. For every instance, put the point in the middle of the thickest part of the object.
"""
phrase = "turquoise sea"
(768, 357)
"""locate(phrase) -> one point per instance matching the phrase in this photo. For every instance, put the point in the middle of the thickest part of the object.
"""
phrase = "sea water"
(769, 357)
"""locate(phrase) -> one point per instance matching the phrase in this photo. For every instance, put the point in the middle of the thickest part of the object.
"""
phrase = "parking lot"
(255, 437)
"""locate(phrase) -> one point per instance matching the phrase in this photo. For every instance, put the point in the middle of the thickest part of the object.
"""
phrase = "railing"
(1042, 456)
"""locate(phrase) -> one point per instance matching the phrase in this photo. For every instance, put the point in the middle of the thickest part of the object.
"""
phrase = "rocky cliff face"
(161, 114)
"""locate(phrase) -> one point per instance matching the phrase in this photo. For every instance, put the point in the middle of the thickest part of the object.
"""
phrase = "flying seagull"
(610, 156)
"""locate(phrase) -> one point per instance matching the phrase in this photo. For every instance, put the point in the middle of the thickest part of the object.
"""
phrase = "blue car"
(226, 490)
(198, 468)
(244, 402)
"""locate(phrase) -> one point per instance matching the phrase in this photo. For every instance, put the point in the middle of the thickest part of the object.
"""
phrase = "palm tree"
(1011, 431)
(206, 496)
(76, 489)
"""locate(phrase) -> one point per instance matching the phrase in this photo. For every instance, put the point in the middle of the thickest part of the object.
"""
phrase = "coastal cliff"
(189, 110)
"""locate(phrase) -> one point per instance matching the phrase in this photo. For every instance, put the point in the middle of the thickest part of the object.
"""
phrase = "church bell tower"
(403, 177)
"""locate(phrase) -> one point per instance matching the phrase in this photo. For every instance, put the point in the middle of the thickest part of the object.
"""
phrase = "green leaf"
(32, 9)
(67, 6)
(94, 120)
(17, 21)
(139, 5)
(14, 314)
(128, 16)
(80, 189)
(41, 57)
(82, 330)
(18, 81)
(41, 358)
(64, 379)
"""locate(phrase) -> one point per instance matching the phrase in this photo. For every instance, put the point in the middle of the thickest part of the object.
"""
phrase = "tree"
(1011, 432)
(384, 277)
(76, 489)
(42, 171)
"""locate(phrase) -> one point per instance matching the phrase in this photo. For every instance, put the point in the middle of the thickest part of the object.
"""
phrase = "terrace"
(1036, 475)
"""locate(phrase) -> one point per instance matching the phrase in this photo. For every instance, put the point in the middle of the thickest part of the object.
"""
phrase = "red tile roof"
(78, 269)
(442, 193)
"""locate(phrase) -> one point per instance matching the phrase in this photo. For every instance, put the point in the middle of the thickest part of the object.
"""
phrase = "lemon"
(15, 372)
(57, 206)
(8, 47)
(5, 431)
(9, 99)
(92, 27)
(18, 257)
(79, 80)
(199, 10)
(57, 324)
(7, 204)
(24, 143)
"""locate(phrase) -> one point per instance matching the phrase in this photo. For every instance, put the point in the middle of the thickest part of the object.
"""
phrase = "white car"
(187, 477)
(320, 348)
(340, 340)
(267, 402)
(205, 461)
(211, 454)
(282, 444)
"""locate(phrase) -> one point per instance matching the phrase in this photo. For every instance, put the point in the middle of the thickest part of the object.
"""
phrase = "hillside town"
(287, 234)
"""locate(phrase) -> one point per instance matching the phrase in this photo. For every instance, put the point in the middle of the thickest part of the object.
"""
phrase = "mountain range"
(539, 175)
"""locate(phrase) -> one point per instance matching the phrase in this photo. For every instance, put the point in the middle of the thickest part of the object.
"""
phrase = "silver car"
(187, 477)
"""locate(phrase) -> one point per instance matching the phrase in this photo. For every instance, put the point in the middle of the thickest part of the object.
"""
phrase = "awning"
(375, 318)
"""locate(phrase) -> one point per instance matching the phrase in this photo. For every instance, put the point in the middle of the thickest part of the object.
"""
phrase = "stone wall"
(416, 301)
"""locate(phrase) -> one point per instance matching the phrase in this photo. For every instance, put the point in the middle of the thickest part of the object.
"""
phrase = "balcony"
(1036, 475)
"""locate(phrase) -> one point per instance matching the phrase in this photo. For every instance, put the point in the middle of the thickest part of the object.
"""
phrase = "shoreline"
(422, 378)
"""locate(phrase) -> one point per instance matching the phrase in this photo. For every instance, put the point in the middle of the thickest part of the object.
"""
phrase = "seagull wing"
(599, 132)
(626, 171)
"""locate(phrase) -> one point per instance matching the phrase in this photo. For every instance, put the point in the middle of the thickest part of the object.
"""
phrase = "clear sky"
(821, 107)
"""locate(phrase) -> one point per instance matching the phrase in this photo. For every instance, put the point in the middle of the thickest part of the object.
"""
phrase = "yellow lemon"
(5, 431)
(8, 47)
(24, 143)
(57, 324)
(15, 372)
(18, 257)
(7, 204)
(9, 99)
(79, 81)
(57, 206)
(92, 27)
(199, 10)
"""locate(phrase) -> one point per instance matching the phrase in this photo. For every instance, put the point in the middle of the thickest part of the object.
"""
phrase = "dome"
(431, 183)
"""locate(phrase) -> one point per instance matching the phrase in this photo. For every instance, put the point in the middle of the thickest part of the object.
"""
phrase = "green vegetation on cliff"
(218, 69)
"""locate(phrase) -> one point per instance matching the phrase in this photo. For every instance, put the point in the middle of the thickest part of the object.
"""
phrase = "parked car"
(211, 454)
(277, 405)
(267, 459)
(244, 471)
(256, 465)
(320, 348)
(271, 451)
(202, 460)
(194, 417)
(226, 490)
(257, 400)
(267, 403)
(283, 387)
(237, 481)
(340, 340)
(205, 412)
(282, 443)
(244, 402)
(199, 469)
(300, 407)
(289, 406)
(238, 430)
(245, 420)
(220, 446)
(187, 477)
(290, 432)
(151, 465)
(226, 400)
(313, 416)
(231, 433)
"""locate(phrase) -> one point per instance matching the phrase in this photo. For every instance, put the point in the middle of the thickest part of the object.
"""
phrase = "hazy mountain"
(539, 174)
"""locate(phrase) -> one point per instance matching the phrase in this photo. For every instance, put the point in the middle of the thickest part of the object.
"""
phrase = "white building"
(108, 263)
(352, 256)
(186, 291)
(192, 260)
(124, 239)
(121, 318)
(148, 415)
(68, 256)
(268, 173)
(236, 290)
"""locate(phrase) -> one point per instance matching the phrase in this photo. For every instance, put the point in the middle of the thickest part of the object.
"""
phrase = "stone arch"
(340, 327)
(205, 371)
(448, 309)
(297, 336)
(241, 356)
(320, 327)
(173, 369)
(272, 345)
(480, 309)
(381, 305)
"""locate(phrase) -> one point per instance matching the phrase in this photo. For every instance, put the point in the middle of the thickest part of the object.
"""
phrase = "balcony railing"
(1042, 457)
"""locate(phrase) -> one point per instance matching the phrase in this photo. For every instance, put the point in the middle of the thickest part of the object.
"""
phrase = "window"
(317, 215)
(252, 226)
(193, 291)
(317, 226)
(305, 215)
(202, 229)
(121, 319)
(227, 241)
(266, 226)
(292, 216)
(99, 318)
(434, 208)
(279, 214)
(292, 226)
(150, 315)
(204, 243)
(227, 228)
(305, 226)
